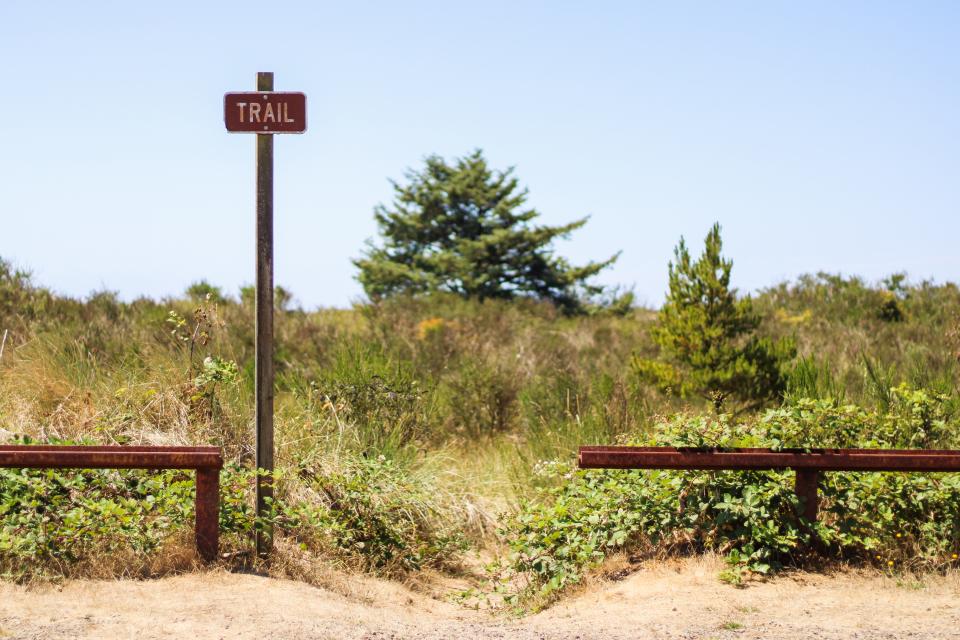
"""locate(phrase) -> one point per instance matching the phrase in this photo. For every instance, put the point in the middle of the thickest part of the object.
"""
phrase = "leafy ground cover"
(903, 520)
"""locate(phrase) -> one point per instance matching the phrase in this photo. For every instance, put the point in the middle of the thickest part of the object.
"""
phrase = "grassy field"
(413, 432)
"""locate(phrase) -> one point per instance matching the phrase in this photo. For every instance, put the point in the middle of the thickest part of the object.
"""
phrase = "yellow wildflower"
(784, 316)
(430, 326)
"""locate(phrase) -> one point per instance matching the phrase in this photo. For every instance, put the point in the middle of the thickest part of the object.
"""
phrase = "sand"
(678, 599)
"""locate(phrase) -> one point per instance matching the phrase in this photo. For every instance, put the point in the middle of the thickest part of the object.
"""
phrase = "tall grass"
(463, 397)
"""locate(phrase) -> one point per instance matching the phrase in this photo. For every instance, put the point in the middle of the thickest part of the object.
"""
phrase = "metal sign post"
(265, 113)
(263, 359)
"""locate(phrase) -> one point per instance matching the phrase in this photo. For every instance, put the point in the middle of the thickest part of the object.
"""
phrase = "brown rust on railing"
(808, 463)
(744, 459)
(206, 461)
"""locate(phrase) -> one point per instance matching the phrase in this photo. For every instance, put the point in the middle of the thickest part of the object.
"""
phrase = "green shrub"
(59, 518)
(482, 399)
(203, 291)
(369, 513)
(707, 336)
(54, 522)
(752, 517)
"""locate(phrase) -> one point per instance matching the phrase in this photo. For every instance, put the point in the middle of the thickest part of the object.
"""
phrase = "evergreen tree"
(463, 228)
(707, 336)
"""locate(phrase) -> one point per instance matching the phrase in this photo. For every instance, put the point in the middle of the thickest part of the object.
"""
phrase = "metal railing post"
(207, 525)
(806, 487)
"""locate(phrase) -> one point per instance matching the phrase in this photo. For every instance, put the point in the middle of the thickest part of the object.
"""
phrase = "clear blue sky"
(822, 135)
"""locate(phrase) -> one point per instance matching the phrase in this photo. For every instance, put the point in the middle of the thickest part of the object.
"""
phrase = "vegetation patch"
(372, 514)
(404, 423)
(907, 520)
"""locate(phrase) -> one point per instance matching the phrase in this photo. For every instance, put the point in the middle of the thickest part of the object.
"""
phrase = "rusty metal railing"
(206, 461)
(808, 463)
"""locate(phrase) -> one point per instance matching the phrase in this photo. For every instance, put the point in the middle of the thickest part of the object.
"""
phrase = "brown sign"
(265, 112)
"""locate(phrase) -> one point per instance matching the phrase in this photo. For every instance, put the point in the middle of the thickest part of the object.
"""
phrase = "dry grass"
(498, 387)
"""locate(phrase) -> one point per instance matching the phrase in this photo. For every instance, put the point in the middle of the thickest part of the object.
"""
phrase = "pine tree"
(463, 228)
(707, 336)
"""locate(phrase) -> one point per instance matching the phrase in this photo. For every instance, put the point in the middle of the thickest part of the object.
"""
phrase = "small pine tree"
(707, 336)
(462, 228)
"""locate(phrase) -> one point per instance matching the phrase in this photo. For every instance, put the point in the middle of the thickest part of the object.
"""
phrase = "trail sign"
(265, 112)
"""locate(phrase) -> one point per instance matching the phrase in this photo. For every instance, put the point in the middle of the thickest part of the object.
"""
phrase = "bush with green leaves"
(55, 522)
(203, 291)
(754, 518)
(709, 347)
(371, 514)
(58, 518)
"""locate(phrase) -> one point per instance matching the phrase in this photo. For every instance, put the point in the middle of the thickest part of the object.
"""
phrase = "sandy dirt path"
(672, 600)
